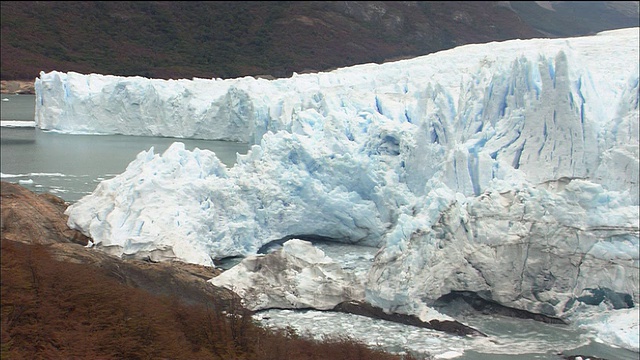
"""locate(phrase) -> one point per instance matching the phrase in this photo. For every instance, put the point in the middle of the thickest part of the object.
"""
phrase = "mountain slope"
(232, 39)
(574, 18)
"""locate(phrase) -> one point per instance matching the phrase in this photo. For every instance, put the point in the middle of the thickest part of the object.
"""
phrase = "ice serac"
(506, 169)
(297, 276)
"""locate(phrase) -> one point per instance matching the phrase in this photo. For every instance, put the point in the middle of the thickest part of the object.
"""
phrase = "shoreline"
(17, 87)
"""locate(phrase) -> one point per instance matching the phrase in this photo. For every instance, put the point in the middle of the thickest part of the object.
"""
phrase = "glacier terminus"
(506, 171)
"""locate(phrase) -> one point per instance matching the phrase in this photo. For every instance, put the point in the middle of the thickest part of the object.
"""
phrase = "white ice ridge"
(509, 169)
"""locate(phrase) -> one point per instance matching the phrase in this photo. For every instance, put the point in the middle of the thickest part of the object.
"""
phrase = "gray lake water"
(71, 166)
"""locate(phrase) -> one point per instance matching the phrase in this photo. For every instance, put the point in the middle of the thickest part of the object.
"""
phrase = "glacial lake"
(71, 166)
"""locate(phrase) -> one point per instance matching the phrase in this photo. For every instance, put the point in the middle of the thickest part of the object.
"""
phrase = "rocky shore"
(17, 87)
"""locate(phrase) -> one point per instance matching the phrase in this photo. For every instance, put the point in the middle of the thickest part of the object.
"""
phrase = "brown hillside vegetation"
(60, 300)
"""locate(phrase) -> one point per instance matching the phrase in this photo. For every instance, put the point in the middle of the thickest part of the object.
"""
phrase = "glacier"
(508, 170)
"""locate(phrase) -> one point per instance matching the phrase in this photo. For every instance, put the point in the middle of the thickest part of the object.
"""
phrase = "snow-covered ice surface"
(508, 170)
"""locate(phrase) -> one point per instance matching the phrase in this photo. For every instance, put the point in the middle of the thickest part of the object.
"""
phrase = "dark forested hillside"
(179, 39)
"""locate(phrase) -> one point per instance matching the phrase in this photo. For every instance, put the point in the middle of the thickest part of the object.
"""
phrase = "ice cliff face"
(536, 248)
(507, 169)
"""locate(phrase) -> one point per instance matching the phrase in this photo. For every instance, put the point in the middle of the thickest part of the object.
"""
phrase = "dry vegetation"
(62, 310)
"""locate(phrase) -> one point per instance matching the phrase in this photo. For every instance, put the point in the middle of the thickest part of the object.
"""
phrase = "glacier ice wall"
(508, 169)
